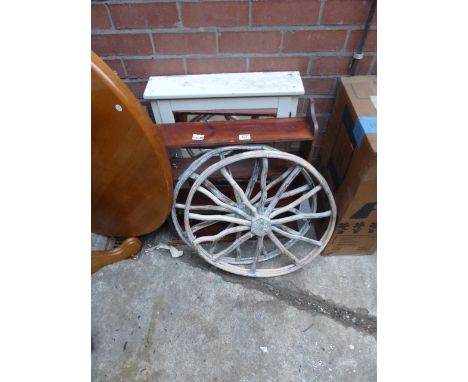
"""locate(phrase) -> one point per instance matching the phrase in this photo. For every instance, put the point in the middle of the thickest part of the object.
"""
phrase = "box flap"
(359, 90)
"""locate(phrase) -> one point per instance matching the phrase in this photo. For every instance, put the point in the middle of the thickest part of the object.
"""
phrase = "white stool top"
(258, 84)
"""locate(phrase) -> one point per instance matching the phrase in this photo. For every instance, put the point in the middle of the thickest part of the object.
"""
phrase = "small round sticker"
(118, 108)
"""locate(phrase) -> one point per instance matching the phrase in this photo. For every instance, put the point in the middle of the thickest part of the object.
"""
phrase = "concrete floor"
(156, 318)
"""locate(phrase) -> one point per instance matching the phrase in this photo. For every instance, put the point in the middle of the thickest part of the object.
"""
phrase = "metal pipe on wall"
(358, 55)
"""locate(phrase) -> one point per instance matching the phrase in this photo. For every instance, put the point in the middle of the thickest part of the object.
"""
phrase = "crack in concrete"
(307, 301)
(289, 293)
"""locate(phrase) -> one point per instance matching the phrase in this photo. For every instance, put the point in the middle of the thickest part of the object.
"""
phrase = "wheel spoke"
(293, 204)
(252, 180)
(214, 245)
(238, 197)
(294, 192)
(221, 234)
(238, 250)
(236, 210)
(215, 190)
(203, 208)
(210, 186)
(296, 237)
(273, 183)
(282, 248)
(222, 156)
(233, 246)
(283, 188)
(223, 218)
(238, 190)
(294, 211)
(316, 215)
(287, 229)
(263, 185)
(205, 224)
(260, 248)
(287, 194)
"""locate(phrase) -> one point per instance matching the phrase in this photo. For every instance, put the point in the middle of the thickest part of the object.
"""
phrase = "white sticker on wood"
(244, 137)
(198, 137)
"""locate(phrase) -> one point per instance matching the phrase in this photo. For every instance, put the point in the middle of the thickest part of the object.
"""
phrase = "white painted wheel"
(262, 217)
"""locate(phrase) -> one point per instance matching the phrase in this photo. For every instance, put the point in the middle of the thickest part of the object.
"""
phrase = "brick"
(99, 17)
(355, 38)
(324, 105)
(339, 12)
(249, 42)
(218, 14)
(331, 65)
(216, 65)
(137, 88)
(319, 85)
(273, 64)
(116, 66)
(148, 15)
(185, 43)
(339, 65)
(314, 41)
(159, 67)
(121, 44)
(281, 12)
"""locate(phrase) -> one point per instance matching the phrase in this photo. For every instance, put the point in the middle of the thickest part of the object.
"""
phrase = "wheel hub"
(261, 226)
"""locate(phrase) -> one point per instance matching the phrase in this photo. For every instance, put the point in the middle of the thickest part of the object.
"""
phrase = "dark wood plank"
(240, 170)
(220, 133)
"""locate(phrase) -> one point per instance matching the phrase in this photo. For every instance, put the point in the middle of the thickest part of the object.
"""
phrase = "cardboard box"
(348, 160)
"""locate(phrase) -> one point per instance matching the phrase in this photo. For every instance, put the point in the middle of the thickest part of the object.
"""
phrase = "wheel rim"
(191, 173)
(262, 221)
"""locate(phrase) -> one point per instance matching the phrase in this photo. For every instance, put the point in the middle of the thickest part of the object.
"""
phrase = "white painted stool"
(225, 91)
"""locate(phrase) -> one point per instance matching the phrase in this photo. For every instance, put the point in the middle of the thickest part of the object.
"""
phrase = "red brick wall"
(316, 37)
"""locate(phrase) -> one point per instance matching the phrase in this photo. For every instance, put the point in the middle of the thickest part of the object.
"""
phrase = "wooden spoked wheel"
(266, 216)
(192, 173)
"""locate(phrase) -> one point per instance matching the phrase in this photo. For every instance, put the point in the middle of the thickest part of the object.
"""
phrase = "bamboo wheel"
(265, 216)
